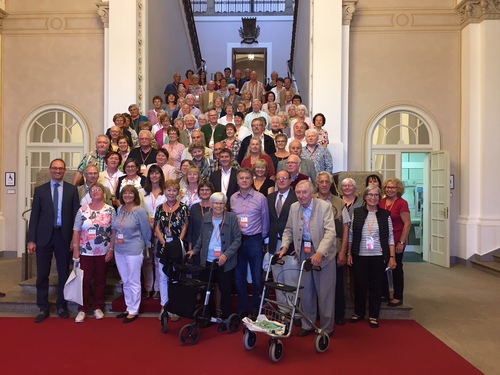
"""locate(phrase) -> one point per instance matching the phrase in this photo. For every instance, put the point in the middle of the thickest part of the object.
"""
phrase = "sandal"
(355, 318)
(373, 322)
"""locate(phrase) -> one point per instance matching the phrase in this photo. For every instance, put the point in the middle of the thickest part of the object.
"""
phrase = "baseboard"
(459, 261)
(8, 254)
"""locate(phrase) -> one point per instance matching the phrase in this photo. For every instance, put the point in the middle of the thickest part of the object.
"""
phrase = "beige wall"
(405, 55)
(52, 52)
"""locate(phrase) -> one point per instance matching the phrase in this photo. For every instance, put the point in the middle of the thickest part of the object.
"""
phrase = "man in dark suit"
(55, 205)
(258, 128)
(287, 273)
(224, 179)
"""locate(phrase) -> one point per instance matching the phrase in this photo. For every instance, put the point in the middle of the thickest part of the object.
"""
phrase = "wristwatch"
(401, 243)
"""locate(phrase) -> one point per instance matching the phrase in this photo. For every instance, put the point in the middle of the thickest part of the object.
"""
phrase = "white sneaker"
(98, 314)
(80, 317)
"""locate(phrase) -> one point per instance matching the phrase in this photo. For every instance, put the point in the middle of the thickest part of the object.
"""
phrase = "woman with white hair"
(301, 116)
(318, 154)
(219, 241)
(348, 189)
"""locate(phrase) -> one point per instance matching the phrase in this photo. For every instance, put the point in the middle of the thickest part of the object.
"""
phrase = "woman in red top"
(254, 153)
(401, 223)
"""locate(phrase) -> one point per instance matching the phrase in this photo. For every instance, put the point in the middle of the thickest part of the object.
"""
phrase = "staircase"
(21, 295)
(489, 266)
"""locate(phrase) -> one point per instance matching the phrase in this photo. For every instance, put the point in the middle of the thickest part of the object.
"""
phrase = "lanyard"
(218, 229)
(371, 224)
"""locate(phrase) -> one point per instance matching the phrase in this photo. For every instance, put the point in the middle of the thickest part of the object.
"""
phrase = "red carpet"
(110, 347)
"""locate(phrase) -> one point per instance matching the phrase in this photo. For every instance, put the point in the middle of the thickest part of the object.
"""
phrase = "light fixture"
(251, 56)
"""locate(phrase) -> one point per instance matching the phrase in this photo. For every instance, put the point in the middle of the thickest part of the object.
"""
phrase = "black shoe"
(63, 313)
(122, 315)
(355, 318)
(2, 294)
(253, 315)
(41, 316)
(340, 321)
(222, 327)
(145, 295)
(243, 314)
(395, 304)
(304, 332)
(130, 320)
(373, 322)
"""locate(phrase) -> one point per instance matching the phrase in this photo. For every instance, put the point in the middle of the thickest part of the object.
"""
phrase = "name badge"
(170, 239)
(307, 247)
(217, 251)
(120, 238)
(370, 243)
(143, 168)
(244, 221)
(92, 233)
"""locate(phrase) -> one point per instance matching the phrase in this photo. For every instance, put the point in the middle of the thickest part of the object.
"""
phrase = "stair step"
(113, 285)
(493, 268)
(496, 258)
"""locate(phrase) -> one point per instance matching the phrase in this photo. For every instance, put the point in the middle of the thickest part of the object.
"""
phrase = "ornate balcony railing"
(193, 34)
(236, 7)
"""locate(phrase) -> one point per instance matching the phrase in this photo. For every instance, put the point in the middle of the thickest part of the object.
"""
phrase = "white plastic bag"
(73, 289)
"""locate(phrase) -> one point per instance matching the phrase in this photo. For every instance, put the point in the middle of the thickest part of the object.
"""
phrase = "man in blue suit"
(55, 205)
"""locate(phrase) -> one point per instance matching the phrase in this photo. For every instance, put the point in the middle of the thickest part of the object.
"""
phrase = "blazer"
(204, 104)
(230, 238)
(42, 213)
(322, 229)
(215, 179)
(278, 223)
(269, 146)
(219, 133)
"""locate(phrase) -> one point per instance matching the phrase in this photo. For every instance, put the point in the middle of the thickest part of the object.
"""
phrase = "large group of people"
(218, 175)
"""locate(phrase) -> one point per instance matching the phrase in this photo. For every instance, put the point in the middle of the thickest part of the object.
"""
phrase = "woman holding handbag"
(91, 245)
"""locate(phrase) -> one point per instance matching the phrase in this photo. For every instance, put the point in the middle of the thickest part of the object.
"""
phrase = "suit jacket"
(278, 223)
(42, 213)
(204, 104)
(215, 179)
(269, 146)
(282, 99)
(322, 228)
(219, 133)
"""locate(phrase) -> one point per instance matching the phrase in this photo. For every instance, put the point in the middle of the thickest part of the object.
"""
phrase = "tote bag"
(73, 289)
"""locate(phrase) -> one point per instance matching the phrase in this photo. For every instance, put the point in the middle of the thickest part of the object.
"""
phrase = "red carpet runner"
(110, 347)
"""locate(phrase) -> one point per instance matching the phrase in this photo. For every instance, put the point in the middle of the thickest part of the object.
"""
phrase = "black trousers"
(224, 283)
(339, 292)
(369, 276)
(58, 247)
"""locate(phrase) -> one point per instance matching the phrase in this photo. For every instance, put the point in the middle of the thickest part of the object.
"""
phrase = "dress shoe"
(127, 320)
(340, 321)
(395, 304)
(41, 316)
(297, 322)
(2, 294)
(304, 332)
(122, 315)
(63, 313)
(222, 327)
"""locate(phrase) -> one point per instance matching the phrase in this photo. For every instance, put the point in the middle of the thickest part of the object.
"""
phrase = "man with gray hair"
(145, 154)
(96, 157)
(311, 228)
(256, 113)
(306, 166)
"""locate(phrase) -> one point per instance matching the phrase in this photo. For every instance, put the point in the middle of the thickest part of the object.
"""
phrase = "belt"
(57, 228)
(250, 235)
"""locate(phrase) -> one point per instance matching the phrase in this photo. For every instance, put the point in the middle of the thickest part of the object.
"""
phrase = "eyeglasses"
(95, 190)
(372, 195)
(391, 187)
(130, 166)
(282, 179)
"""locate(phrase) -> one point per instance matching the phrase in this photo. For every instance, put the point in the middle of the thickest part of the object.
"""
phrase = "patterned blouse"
(175, 155)
(95, 229)
(235, 147)
(171, 221)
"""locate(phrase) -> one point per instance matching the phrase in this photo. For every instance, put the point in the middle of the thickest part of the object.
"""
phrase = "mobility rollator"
(276, 319)
(185, 297)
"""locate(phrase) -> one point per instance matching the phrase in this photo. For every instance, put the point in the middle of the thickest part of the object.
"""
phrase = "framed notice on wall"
(10, 178)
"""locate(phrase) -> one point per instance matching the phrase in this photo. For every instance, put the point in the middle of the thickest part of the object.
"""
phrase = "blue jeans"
(251, 253)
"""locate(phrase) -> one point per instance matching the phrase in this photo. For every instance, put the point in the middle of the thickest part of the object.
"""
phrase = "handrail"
(193, 34)
(290, 62)
(26, 253)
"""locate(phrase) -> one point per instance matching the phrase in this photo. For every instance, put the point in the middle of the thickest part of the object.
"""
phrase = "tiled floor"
(458, 305)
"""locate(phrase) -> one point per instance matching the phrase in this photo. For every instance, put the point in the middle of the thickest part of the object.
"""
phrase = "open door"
(439, 200)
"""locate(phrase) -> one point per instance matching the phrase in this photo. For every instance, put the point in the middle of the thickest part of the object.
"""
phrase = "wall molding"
(476, 11)
(141, 55)
(51, 23)
(3, 15)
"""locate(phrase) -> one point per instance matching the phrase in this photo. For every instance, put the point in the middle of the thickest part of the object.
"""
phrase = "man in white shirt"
(256, 107)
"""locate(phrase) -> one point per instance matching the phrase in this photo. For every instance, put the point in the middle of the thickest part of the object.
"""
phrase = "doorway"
(253, 59)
